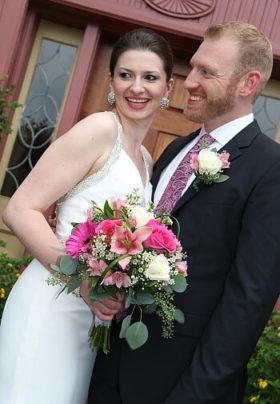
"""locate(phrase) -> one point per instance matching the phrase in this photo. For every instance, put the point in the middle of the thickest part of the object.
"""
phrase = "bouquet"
(125, 248)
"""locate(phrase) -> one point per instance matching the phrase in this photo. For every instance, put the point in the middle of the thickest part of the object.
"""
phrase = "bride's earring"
(111, 98)
(164, 103)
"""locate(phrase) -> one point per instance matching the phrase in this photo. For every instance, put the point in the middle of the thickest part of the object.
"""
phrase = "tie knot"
(205, 141)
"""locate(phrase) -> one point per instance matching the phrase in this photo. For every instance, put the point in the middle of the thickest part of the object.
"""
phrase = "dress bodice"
(118, 177)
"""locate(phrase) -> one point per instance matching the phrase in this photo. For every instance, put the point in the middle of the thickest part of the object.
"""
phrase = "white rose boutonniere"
(208, 166)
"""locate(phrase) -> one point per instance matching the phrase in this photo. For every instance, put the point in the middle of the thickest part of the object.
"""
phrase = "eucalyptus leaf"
(59, 249)
(127, 302)
(151, 308)
(55, 267)
(74, 283)
(136, 335)
(222, 178)
(179, 316)
(97, 295)
(67, 265)
(142, 298)
(180, 284)
(125, 324)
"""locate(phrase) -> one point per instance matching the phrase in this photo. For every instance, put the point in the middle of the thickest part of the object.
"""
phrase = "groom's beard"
(214, 107)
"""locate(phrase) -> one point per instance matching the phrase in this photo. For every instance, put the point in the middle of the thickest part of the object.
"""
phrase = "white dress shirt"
(222, 136)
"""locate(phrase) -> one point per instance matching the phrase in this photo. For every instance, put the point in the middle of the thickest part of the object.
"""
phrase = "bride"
(45, 357)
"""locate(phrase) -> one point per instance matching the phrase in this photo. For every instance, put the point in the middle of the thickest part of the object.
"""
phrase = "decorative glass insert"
(267, 113)
(41, 111)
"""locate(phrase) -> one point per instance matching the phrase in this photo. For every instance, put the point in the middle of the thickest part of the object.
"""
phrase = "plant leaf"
(136, 335)
(125, 324)
(179, 316)
(108, 211)
(142, 298)
(222, 178)
(67, 265)
(74, 283)
(55, 267)
(180, 284)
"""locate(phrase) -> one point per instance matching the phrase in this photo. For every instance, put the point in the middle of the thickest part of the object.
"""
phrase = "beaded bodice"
(118, 177)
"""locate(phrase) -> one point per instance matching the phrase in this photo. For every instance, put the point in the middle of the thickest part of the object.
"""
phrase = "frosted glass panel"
(267, 113)
(41, 111)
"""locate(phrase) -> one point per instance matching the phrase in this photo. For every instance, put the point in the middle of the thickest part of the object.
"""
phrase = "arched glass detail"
(267, 113)
(40, 112)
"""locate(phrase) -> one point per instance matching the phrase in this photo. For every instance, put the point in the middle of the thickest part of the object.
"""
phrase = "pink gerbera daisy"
(80, 240)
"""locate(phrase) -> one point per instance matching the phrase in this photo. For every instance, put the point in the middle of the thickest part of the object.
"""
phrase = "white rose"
(159, 269)
(141, 215)
(209, 162)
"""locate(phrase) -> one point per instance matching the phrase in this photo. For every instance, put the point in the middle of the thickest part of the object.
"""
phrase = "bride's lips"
(137, 103)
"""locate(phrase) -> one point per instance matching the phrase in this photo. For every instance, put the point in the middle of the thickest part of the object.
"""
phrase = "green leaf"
(98, 297)
(222, 178)
(74, 283)
(136, 335)
(127, 302)
(108, 211)
(179, 316)
(180, 284)
(142, 298)
(55, 267)
(125, 324)
(67, 265)
(151, 308)
(59, 249)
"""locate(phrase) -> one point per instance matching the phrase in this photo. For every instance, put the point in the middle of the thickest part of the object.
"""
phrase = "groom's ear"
(249, 83)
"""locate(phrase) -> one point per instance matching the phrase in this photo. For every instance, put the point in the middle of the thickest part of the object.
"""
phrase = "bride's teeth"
(136, 101)
(195, 98)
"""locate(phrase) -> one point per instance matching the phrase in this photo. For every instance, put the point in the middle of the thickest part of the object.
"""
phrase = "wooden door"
(167, 124)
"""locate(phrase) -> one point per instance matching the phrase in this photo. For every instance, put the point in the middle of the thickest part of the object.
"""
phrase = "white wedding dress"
(45, 357)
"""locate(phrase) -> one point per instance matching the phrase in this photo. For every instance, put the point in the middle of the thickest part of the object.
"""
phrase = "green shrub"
(264, 366)
(9, 272)
(6, 105)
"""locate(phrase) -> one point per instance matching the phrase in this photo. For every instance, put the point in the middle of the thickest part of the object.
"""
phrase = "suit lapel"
(234, 147)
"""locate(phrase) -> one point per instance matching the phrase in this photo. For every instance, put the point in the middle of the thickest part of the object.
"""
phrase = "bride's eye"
(125, 75)
(151, 77)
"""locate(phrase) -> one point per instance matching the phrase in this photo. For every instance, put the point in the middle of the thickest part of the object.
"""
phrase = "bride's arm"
(64, 164)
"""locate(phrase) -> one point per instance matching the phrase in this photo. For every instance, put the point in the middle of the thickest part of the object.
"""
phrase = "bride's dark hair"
(143, 39)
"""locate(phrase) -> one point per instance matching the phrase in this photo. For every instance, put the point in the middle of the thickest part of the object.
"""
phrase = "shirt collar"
(226, 132)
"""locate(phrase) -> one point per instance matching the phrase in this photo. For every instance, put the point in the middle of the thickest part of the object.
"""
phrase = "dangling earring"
(111, 98)
(164, 103)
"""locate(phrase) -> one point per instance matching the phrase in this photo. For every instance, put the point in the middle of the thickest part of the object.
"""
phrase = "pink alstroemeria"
(80, 240)
(224, 156)
(117, 278)
(95, 267)
(194, 162)
(124, 263)
(182, 267)
(127, 242)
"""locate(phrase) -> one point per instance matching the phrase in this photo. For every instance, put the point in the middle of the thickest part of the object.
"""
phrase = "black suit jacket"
(231, 232)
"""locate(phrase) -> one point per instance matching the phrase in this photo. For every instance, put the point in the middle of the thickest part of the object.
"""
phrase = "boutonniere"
(208, 166)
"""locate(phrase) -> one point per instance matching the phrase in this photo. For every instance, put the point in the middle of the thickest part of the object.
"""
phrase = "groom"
(230, 230)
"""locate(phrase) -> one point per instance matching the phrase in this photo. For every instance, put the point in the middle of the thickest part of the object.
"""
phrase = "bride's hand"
(106, 309)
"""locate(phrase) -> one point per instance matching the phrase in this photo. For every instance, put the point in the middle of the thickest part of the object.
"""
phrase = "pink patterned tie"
(180, 177)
